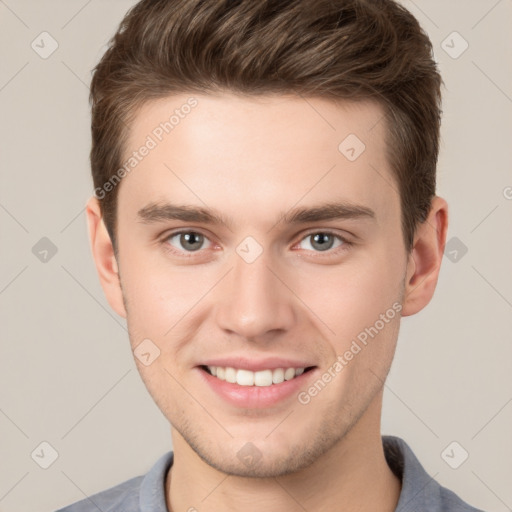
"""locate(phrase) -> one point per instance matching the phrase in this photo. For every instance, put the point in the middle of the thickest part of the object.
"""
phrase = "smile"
(262, 378)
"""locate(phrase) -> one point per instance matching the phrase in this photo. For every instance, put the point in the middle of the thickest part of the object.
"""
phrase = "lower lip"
(255, 397)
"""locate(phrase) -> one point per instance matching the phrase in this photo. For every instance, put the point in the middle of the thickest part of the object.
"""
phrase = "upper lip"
(245, 363)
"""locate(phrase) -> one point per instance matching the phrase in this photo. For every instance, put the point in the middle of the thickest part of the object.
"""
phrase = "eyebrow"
(158, 212)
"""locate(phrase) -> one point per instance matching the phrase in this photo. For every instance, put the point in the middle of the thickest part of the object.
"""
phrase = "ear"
(425, 258)
(104, 257)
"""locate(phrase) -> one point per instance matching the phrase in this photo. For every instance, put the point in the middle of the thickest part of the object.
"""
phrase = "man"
(264, 214)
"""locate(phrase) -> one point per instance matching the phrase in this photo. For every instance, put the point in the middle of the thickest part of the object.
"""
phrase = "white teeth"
(278, 376)
(289, 373)
(245, 378)
(262, 378)
(230, 375)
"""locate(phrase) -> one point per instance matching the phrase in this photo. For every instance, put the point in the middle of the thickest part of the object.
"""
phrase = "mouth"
(261, 378)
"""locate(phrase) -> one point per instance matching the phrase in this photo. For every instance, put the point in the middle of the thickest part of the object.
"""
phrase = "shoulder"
(450, 502)
(124, 496)
(145, 492)
(420, 491)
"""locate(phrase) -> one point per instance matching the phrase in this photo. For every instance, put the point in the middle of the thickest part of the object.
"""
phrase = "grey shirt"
(420, 492)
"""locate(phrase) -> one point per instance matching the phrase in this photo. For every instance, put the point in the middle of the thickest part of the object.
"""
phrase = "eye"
(188, 241)
(322, 241)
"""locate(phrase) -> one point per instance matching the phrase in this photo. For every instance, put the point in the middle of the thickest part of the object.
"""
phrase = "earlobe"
(425, 258)
(104, 257)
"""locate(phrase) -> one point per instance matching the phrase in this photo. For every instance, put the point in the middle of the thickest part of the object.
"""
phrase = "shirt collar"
(419, 491)
(152, 487)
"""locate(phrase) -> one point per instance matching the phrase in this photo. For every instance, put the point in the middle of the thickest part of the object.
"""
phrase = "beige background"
(66, 372)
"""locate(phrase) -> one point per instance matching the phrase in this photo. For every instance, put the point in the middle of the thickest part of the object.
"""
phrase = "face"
(256, 245)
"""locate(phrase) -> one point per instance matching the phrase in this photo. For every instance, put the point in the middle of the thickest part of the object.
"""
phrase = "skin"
(252, 160)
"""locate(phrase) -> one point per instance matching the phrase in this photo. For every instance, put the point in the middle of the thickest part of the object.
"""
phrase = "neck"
(352, 475)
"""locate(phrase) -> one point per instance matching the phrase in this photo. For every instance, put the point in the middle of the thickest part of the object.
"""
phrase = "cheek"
(159, 296)
(348, 298)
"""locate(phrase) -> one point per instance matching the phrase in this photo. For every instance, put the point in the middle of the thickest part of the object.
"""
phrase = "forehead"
(262, 154)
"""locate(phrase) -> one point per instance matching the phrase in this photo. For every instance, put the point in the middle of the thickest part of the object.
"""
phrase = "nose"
(253, 302)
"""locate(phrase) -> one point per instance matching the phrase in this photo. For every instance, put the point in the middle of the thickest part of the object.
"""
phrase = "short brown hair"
(337, 49)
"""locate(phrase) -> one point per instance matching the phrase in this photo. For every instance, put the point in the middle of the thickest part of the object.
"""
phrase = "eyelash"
(345, 245)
